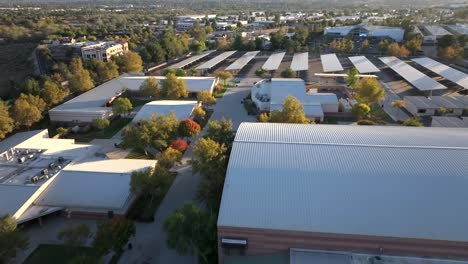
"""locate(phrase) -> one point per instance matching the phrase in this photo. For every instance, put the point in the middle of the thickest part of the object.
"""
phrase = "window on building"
(421, 111)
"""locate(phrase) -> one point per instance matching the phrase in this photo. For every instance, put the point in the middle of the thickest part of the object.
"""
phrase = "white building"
(430, 106)
(103, 51)
(40, 176)
(182, 109)
(95, 103)
(269, 95)
(364, 31)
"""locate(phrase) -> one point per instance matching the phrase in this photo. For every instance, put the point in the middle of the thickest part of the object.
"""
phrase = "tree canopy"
(80, 78)
(11, 239)
(52, 93)
(188, 128)
(113, 235)
(206, 98)
(173, 87)
(150, 88)
(129, 62)
(370, 91)
(6, 122)
(220, 131)
(27, 110)
(224, 75)
(293, 112)
(122, 105)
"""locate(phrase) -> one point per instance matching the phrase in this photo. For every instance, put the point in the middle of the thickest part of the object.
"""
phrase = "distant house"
(269, 95)
(103, 51)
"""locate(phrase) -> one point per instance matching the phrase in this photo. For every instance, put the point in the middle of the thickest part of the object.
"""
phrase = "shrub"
(365, 122)
(101, 123)
(414, 122)
(263, 117)
(189, 128)
(180, 145)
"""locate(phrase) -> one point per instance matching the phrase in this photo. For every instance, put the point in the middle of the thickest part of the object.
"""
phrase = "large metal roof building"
(348, 188)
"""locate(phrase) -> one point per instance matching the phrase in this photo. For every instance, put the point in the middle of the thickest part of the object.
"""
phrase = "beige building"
(104, 51)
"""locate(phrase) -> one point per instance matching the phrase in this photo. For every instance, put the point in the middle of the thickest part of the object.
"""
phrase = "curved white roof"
(348, 180)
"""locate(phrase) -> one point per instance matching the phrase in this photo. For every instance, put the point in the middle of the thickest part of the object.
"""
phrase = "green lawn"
(57, 254)
(143, 209)
(135, 154)
(115, 126)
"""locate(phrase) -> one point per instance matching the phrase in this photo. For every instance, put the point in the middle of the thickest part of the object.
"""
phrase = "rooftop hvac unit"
(21, 159)
(44, 171)
(34, 179)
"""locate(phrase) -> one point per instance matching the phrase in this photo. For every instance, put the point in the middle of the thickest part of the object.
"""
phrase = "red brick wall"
(263, 242)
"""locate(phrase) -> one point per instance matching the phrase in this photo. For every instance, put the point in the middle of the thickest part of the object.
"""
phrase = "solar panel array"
(363, 65)
(300, 62)
(242, 61)
(216, 60)
(190, 60)
(273, 61)
(330, 63)
(445, 71)
(410, 74)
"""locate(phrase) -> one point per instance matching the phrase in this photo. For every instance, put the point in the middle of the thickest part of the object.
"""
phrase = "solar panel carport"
(451, 74)
(242, 61)
(330, 63)
(418, 79)
(363, 65)
(216, 60)
(190, 60)
(300, 62)
(274, 61)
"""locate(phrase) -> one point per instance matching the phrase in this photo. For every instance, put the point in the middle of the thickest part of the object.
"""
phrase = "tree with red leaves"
(179, 144)
(189, 128)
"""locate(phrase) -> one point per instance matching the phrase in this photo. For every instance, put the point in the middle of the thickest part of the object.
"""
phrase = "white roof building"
(380, 32)
(354, 180)
(182, 109)
(269, 95)
(92, 104)
(40, 175)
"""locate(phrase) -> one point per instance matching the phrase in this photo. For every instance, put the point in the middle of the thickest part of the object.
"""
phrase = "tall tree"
(6, 122)
(188, 128)
(288, 73)
(224, 75)
(293, 112)
(11, 239)
(370, 91)
(206, 98)
(106, 70)
(221, 131)
(129, 62)
(80, 78)
(113, 235)
(414, 45)
(192, 231)
(27, 110)
(209, 156)
(51, 93)
(121, 106)
(150, 88)
(74, 236)
(29, 86)
(173, 87)
(352, 78)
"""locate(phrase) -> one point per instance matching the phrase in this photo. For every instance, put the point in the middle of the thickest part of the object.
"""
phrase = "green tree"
(173, 87)
(293, 112)
(197, 46)
(150, 88)
(446, 41)
(352, 78)
(113, 235)
(106, 70)
(27, 110)
(450, 53)
(169, 158)
(51, 93)
(369, 91)
(209, 156)
(29, 86)
(263, 118)
(6, 122)
(80, 78)
(101, 123)
(188, 128)
(414, 122)
(151, 183)
(224, 75)
(180, 72)
(198, 114)
(74, 236)
(361, 110)
(192, 231)
(206, 98)
(288, 73)
(11, 239)
(129, 62)
(394, 49)
(220, 131)
(122, 105)
(414, 45)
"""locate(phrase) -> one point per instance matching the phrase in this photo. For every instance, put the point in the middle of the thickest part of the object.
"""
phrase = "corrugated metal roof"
(242, 61)
(330, 63)
(377, 181)
(216, 60)
(421, 102)
(363, 65)
(413, 76)
(300, 62)
(182, 109)
(274, 61)
(449, 121)
(445, 71)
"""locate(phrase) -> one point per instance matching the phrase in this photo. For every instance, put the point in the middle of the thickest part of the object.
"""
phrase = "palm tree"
(399, 104)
